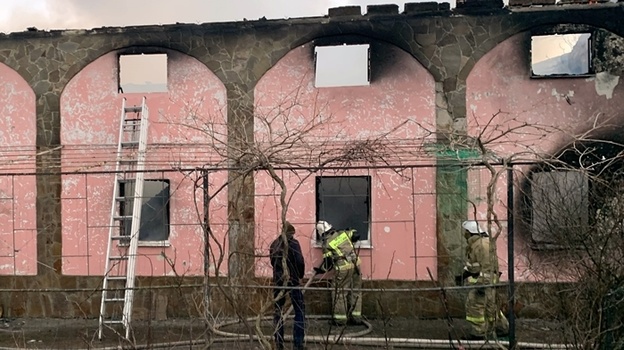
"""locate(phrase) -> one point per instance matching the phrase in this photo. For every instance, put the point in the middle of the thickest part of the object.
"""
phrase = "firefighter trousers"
(483, 313)
(346, 295)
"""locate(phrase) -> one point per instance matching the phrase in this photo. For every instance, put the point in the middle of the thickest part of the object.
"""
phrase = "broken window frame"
(332, 212)
(141, 52)
(563, 29)
(126, 190)
(338, 46)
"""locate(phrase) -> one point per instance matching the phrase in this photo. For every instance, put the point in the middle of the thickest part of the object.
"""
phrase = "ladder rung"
(116, 278)
(114, 300)
(117, 257)
(112, 321)
(128, 161)
(129, 143)
(122, 199)
(123, 217)
(133, 109)
(120, 238)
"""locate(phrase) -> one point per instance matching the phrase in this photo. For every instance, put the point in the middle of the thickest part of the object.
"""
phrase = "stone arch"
(90, 108)
(401, 90)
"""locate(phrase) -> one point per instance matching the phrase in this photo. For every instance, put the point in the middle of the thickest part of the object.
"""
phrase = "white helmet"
(473, 227)
(322, 227)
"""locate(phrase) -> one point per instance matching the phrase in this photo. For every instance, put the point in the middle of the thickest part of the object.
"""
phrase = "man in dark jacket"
(288, 269)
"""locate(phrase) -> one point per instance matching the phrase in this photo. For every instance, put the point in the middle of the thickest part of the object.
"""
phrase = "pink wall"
(90, 112)
(403, 207)
(552, 107)
(18, 130)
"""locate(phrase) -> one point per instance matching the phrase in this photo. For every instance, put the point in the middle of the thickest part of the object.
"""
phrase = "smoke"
(80, 14)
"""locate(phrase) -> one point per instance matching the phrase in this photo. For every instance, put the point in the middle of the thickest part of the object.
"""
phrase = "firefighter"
(288, 247)
(482, 311)
(340, 254)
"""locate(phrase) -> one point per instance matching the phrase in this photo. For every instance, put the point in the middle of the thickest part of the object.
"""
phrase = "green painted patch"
(443, 151)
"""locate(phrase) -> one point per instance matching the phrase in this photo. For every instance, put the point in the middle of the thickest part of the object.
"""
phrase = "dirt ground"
(190, 334)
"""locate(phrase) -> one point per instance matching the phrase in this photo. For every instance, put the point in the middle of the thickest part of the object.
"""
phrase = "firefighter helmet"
(473, 227)
(322, 227)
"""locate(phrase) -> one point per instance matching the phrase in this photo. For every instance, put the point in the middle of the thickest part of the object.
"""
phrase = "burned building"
(344, 108)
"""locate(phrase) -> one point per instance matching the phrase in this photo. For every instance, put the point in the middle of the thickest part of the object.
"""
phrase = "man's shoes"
(355, 321)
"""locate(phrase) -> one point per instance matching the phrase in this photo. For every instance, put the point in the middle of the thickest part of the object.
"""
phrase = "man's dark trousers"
(296, 298)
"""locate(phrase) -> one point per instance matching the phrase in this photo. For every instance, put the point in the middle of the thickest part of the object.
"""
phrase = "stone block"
(419, 7)
(388, 9)
(160, 307)
(520, 3)
(544, 2)
(480, 5)
(345, 11)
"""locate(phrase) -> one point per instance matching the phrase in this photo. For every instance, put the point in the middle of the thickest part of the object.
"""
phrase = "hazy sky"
(17, 15)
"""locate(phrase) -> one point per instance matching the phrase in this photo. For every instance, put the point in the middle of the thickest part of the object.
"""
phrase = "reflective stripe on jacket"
(338, 246)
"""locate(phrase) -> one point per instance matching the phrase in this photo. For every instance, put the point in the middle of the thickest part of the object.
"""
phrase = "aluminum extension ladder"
(125, 220)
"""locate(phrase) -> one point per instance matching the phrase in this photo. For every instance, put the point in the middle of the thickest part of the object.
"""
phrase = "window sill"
(564, 76)
(358, 245)
(149, 244)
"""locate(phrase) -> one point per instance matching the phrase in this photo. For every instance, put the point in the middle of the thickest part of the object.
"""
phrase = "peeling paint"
(605, 84)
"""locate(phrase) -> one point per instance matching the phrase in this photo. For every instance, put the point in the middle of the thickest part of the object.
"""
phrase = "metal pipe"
(368, 341)
(510, 259)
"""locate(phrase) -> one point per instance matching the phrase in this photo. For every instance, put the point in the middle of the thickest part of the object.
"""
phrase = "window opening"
(344, 202)
(344, 65)
(560, 203)
(154, 210)
(143, 73)
(561, 55)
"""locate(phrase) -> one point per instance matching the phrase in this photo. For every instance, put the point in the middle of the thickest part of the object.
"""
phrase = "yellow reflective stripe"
(340, 317)
(327, 254)
(356, 313)
(472, 280)
(334, 243)
(347, 266)
(475, 319)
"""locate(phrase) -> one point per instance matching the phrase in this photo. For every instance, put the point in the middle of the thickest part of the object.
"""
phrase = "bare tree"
(284, 139)
(575, 220)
